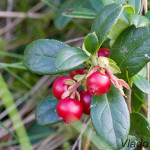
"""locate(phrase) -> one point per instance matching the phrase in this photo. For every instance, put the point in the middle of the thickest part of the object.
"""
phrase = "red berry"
(59, 87)
(103, 52)
(85, 99)
(70, 110)
(77, 72)
(98, 83)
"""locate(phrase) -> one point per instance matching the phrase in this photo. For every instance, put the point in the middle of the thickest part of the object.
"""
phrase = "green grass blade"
(8, 102)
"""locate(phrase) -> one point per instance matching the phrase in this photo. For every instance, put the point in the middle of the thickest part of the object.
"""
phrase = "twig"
(82, 131)
(18, 20)
(12, 14)
(26, 96)
(142, 4)
(129, 100)
(74, 40)
(8, 20)
(88, 140)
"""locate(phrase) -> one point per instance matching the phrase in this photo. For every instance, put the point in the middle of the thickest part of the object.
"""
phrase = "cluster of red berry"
(70, 109)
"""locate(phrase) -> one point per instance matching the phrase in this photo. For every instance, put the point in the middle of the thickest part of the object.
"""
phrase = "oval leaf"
(96, 4)
(148, 15)
(141, 83)
(137, 99)
(136, 4)
(46, 112)
(91, 43)
(114, 68)
(140, 124)
(131, 50)
(110, 117)
(61, 21)
(39, 56)
(70, 57)
(138, 21)
(107, 18)
(83, 13)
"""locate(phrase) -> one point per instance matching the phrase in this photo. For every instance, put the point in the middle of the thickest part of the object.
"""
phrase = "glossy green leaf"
(83, 13)
(137, 99)
(39, 56)
(91, 43)
(136, 4)
(138, 21)
(61, 21)
(107, 2)
(46, 112)
(114, 68)
(69, 58)
(131, 50)
(97, 4)
(107, 18)
(143, 72)
(141, 83)
(148, 15)
(140, 125)
(110, 117)
(119, 27)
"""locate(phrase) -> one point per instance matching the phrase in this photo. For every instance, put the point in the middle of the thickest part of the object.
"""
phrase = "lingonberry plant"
(112, 80)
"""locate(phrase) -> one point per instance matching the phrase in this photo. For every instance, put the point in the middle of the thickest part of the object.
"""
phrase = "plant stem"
(8, 102)
(15, 65)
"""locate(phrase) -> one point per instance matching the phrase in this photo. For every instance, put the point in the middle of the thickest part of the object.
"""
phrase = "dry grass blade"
(18, 20)
(4, 14)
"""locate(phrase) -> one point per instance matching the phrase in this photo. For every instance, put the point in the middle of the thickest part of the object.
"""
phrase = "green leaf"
(140, 125)
(107, 18)
(143, 72)
(131, 50)
(46, 112)
(91, 43)
(83, 13)
(97, 4)
(61, 21)
(110, 117)
(119, 27)
(136, 4)
(107, 2)
(138, 21)
(114, 68)
(148, 15)
(141, 83)
(39, 56)
(137, 99)
(69, 58)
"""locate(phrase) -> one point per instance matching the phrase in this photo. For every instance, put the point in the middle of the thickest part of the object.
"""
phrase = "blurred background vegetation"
(20, 90)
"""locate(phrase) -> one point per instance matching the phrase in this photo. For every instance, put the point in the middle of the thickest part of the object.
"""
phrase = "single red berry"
(70, 110)
(59, 87)
(98, 83)
(85, 99)
(77, 72)
(103, 52)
